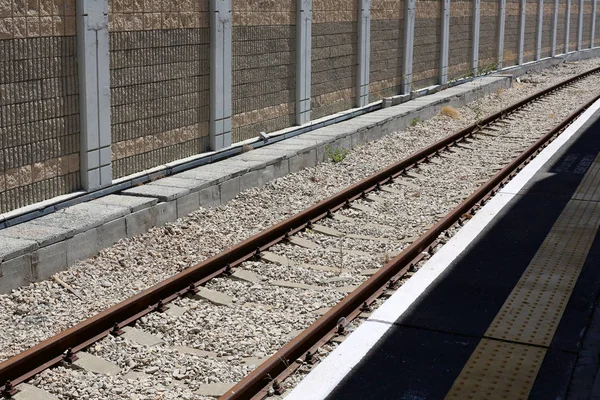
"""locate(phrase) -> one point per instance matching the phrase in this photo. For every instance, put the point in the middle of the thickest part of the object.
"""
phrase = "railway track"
(353, 230)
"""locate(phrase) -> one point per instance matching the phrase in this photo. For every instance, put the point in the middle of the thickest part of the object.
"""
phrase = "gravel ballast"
(238, 331)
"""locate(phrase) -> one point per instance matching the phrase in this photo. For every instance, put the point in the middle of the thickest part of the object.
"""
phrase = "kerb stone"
(133, 203)
(82, 246)
(50, 260)
(187, 204)
(162, 193)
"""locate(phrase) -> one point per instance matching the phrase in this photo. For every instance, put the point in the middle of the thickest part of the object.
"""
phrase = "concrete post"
(501, 24)
(303, 60)
(410, 7)
(594, 9)
(220, 74)
(522, 30)
(445, 42)
(476, 26)
(363, 53)
(554, 28)
(540, 20)
(568, 26)
(580, 27)
(94, 93)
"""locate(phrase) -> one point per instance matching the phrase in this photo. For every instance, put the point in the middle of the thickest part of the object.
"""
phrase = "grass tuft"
(450, 112)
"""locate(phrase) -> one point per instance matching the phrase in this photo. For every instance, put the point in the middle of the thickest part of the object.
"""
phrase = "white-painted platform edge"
(320, 382)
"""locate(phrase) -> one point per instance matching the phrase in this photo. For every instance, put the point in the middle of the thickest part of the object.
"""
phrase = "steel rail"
(61, 347)
(261, 377)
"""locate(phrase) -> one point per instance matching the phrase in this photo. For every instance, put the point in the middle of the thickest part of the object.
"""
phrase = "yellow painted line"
(504, 364)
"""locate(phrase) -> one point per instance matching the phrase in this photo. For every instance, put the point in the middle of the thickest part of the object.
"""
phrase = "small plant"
(414, 122)
(337, 155)
(450, 112)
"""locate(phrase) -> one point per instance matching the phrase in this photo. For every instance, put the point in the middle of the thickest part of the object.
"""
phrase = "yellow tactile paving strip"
(504, 364)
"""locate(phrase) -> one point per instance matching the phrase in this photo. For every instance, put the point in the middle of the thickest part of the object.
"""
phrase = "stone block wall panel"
(334, 60)
(587, 24)
(159, 65)
(561, 25)
(427, 45)
(531, 29)
(264, 67)
(488, 35)
(597, 31)
(547, 28)
(460, 52)
(39, 103)
(387, 48)
(511, 33)
(574, 28)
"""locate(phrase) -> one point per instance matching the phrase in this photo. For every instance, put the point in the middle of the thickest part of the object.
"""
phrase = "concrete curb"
(39, 248)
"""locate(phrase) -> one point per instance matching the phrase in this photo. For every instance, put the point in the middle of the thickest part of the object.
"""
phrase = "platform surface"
(513, 316)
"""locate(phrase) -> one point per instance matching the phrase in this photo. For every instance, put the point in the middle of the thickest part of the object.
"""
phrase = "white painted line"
(321, 381)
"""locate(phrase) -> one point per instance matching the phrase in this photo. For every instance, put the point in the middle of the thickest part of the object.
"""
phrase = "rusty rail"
(59, 348)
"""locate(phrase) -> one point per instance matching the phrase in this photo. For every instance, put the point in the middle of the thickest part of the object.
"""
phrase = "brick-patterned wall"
(460, 52)
(511, 33)
(597, 30)
(488, 35)
(587, 24)
(39, 104)
(574, 28)
(547, 28)
(159, 65)
(426, 50)
(387, 48)
(531, 29)
(264, 66)
(334, 46)
(561, 26)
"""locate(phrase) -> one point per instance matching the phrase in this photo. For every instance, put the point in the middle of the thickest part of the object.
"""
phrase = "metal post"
(94, 93)
(364, 53)
(220, 74)
(538, 49)
(554, 28)
(501, 24)
(594, 9)
(568, 26)
(580, 26)
(522, 31)
(476, 25)
(445, 41)
(410, 7)
(303, 60)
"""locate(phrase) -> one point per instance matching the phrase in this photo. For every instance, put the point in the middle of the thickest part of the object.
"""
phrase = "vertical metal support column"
(501, 25)
(363, 53)
(580, 26)
(594, 9)
(220, 74)
(554, 28)
(94, 93)
(410, 7)
(445, 42)
(522, 30)
(568, 26)
(303, 60)
(540, 21)
(476, 26)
